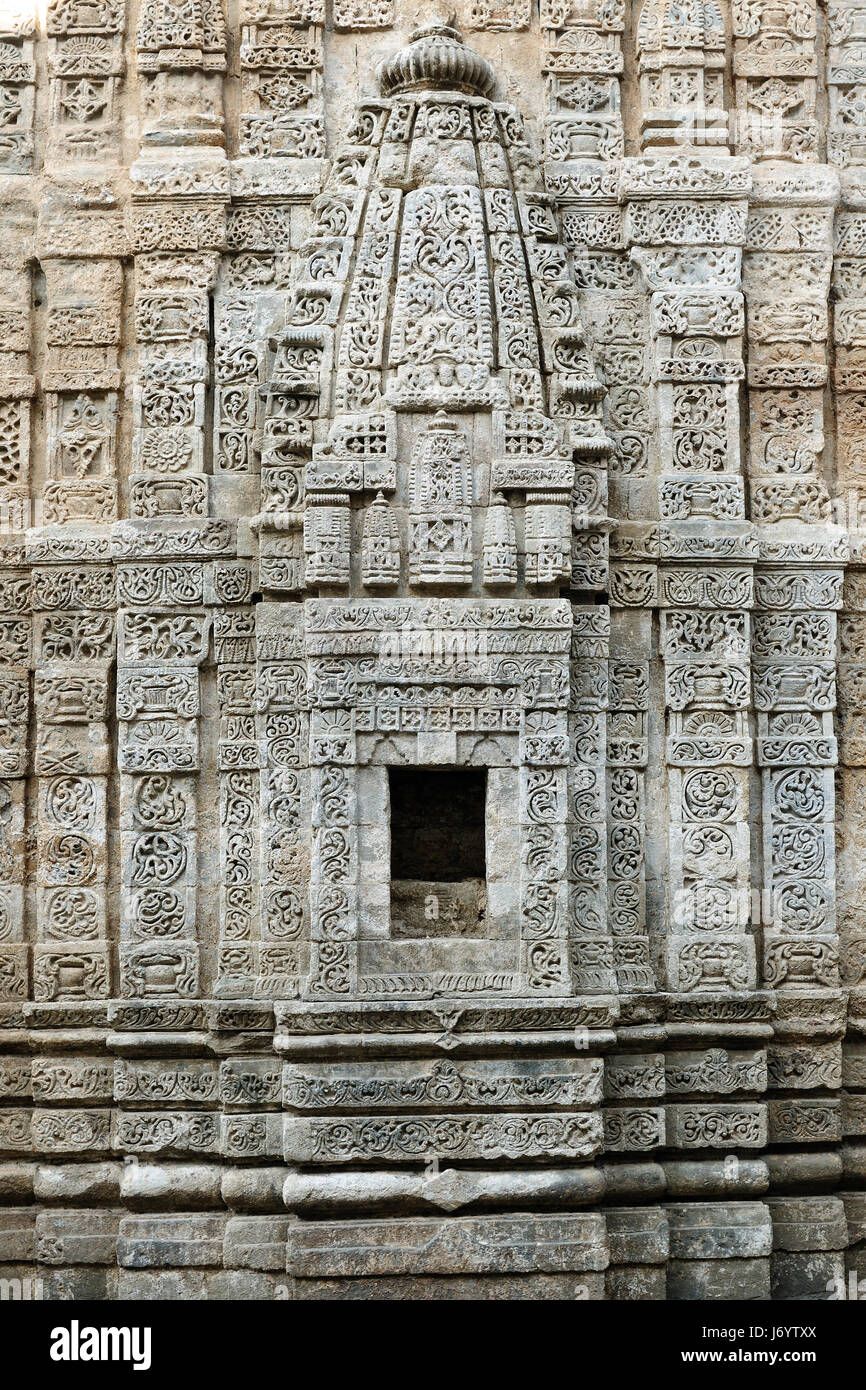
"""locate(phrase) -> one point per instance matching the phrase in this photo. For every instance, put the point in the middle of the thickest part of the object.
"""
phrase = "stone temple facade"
(433, 649)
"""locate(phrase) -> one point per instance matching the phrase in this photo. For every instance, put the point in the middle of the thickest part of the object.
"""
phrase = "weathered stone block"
(495, 1245)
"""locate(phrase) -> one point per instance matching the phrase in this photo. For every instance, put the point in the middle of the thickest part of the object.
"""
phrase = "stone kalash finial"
(436, 56)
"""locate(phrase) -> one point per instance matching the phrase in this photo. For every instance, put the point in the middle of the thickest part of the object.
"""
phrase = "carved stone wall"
(469, 421)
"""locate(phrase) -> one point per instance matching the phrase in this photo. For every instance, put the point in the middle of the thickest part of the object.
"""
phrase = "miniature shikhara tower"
(433, 535)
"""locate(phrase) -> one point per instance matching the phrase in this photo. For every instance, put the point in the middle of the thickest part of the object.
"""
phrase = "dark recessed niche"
(437, 824)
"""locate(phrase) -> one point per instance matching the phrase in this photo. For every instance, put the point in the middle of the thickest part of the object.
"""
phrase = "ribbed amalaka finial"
(436, 56)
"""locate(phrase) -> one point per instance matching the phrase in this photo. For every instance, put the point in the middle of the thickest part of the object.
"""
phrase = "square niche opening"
(438, 851)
